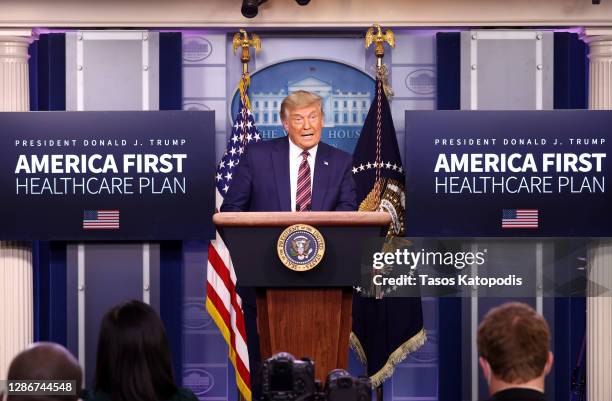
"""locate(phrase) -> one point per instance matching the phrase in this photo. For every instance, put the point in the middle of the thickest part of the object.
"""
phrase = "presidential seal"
(300, 247)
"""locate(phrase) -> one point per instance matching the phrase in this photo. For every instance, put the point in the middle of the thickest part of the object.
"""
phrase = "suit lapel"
(321, 177)
(280, 164)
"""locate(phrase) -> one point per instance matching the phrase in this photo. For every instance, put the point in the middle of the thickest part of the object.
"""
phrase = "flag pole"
(380, 183)
(242, 40)
(375, 36)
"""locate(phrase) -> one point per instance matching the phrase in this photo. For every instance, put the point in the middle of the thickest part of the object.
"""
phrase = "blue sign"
(346, 91)
(107, 175)
(508, 173)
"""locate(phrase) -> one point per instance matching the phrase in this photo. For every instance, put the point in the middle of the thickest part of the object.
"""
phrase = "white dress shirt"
(295, 159)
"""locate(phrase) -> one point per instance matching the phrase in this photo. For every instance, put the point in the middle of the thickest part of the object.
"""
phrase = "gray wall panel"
(501, 70)
(112, 85)
(71, 71)
(548, 68)
(113, 274)
(109, 70)
(506, 70)
(506, 75)
(120, 70)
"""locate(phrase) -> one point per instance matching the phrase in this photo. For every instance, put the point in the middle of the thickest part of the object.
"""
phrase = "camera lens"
(345, 382)
(249, 8)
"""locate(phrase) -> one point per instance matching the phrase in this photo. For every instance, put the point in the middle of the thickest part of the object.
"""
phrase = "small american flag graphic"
(101, 219)
(520, 218)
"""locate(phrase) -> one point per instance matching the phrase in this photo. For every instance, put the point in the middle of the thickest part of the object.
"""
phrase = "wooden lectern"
(307, 314)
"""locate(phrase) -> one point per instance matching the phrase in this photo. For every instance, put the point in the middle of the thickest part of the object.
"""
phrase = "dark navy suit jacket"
(518, 394)
(261, 181)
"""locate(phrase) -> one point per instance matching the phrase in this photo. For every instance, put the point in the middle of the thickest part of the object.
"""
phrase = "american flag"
(101, 219)
(243, 133)
(520, 218)
(222, 301)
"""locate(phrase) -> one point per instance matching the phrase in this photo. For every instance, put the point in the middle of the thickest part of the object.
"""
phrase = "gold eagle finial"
(241, 39)
(375, 35)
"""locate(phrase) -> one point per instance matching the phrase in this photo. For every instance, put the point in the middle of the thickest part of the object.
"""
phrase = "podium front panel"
(255, 258)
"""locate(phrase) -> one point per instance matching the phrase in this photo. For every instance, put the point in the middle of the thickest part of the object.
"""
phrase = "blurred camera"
(341, 386)
(285, 378)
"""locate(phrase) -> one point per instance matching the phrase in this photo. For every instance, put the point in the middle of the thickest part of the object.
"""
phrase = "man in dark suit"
(513, 343)
(269, 173)
(292, 173)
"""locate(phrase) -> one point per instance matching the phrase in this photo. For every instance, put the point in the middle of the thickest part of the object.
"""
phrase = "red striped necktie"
(304, 192)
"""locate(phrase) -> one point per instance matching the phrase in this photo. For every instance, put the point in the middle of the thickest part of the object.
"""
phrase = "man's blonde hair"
(297, 100)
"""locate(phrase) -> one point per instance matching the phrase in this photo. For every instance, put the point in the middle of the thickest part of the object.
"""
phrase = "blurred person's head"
(513, 343)
(46, 361)
(302, 116)
(133, 359)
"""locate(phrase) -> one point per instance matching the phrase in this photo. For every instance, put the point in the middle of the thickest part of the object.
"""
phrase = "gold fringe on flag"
(397, 356)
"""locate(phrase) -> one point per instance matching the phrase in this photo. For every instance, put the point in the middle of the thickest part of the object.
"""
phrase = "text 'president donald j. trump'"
(297, 172)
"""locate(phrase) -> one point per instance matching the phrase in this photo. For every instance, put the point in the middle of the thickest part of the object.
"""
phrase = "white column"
(16, 319)
(14, 88)
(599, 309)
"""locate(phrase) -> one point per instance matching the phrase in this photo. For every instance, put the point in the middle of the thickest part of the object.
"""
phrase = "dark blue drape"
(570, 71)
(448, 59)
(47, 74)
(49, 270)
(570, 92)
(171, 252)
(171, 299)
(170, 71)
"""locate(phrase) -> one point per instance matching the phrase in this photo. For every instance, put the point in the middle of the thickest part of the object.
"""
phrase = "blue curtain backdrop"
(570, 92)
(448, 58)
(171, 252)
(47, 74)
